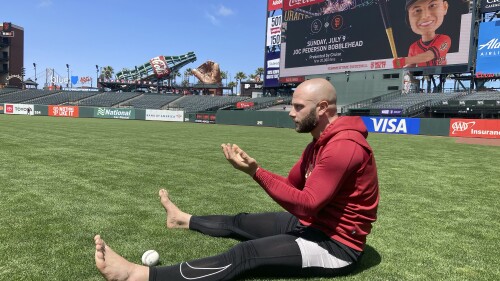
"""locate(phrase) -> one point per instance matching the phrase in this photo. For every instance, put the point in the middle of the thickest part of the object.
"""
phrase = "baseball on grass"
(150, 258)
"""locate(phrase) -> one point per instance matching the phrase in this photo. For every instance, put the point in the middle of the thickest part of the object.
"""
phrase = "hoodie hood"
(340, 129)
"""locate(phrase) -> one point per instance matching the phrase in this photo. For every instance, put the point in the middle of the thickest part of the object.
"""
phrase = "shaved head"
(317, 90)
(314, 106)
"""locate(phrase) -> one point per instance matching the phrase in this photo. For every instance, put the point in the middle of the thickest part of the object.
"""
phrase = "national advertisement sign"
(410, 126)
(475, 128)
(116, 113)
(20, 109)
(488, 50)
(332, 39)
(164, 115)
(63, 111)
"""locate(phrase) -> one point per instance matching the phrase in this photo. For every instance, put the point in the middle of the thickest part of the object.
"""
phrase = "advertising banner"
(205, 118)
(296, 79)
(372, 35)
(391, 112)
(272, 69)
(294, 4)
(475, 128)
(116, 113)
(409, 126)
(490, 5)
(244, 104)
(20, 109)
(165, 115)
(488, 50)
(1, 108)
(63, 111)
(273, 31)
(160, 66)
(274, 4)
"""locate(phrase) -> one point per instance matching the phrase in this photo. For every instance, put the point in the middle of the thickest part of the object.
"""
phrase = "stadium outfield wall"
(473, 128)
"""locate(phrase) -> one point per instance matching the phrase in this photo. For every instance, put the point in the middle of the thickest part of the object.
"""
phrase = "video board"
(360, 35)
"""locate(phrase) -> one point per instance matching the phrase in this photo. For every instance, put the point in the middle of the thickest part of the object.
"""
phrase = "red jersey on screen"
(439, 46)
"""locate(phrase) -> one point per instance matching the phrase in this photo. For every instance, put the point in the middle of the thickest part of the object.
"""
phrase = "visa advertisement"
(328, 37)
(410, 126)
(488, 49)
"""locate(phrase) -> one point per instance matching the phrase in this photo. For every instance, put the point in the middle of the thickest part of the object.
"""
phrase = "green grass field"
(63, 180)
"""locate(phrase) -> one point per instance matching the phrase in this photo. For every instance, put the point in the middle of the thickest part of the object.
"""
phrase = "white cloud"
(224, 11)
(216, 13)
(212, 18)
(45, 3)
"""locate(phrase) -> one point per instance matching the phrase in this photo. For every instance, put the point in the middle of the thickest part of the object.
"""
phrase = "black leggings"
(269, 249)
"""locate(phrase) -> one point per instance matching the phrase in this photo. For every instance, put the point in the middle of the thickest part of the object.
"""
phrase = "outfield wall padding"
(255, 118)
(435, 126)
(86, 112)
(41, 110)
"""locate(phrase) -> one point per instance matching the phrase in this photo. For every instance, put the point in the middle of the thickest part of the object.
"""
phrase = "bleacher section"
(108, 99)
(410, 104)
(4, 91)
(63, 98)
(192, 104)
(412, 99)
(491, 95)
(23, 96)
(266, 102)
(151, 101)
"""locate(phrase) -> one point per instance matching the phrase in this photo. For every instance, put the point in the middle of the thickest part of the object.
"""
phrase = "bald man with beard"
(330, 198)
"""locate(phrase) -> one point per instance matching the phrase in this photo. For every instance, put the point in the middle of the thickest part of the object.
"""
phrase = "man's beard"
(308, 124)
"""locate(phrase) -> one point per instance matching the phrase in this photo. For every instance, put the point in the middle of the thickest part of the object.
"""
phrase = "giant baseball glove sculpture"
(208, 73)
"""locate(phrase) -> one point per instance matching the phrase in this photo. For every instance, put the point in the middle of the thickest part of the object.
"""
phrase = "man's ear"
(445, 5)
(323, 106)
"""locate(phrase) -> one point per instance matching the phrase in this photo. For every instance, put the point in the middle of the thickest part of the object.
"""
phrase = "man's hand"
(239, 159)
(208, 73)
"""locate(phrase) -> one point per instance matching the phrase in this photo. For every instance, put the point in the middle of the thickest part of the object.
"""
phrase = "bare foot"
(175, 217)
(115, 268)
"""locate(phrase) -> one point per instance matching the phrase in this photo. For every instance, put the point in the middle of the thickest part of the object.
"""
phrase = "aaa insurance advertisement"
(329, 40)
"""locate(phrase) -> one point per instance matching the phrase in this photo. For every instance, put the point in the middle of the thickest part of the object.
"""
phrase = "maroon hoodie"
(334, 186)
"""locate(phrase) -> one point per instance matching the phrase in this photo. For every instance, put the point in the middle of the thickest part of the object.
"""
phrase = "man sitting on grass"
(330, 197)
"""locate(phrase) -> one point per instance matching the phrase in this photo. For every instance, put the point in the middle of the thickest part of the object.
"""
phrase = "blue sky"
(127, 33)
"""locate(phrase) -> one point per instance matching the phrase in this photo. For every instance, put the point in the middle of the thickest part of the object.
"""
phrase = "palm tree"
(108, 72)
(173, 77)
(223, 75)
(232, 84)
(259, 72)
(240, 76)
(188, 72)
(177, 74)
